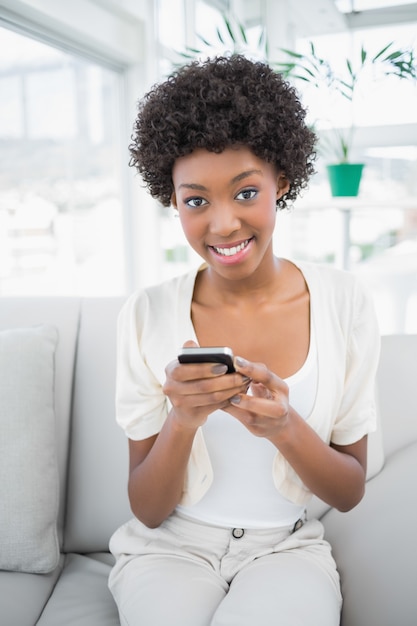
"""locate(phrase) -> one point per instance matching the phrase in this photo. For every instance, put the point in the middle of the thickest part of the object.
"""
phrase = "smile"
(233, 250)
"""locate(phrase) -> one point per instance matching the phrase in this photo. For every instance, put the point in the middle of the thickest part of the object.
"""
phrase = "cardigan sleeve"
(357, 412)
(349, 341)
(141, 406)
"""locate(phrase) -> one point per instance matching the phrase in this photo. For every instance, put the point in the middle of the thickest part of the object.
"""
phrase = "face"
(227, 206)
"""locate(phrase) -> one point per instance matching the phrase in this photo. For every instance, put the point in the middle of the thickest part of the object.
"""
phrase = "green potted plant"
(345, 176)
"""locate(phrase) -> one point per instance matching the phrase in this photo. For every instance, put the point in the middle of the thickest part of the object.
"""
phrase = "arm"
(157, 467)
(336, 474)
(158, 464)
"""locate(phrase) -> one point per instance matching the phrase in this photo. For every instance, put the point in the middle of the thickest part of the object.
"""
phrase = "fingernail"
(235, 399)
(219, 368)
(241, 362)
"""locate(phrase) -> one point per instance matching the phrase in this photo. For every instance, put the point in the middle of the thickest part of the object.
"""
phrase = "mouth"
(230, 251)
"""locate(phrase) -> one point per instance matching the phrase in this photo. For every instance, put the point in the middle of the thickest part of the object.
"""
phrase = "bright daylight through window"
(60, 208)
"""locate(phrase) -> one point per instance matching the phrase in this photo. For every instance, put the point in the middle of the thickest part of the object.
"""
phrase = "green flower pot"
(345, 178)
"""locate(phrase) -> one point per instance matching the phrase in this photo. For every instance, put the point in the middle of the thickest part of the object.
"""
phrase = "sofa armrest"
(375, 547)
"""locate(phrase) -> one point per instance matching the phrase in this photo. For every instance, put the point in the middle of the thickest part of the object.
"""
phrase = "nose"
(224, 219)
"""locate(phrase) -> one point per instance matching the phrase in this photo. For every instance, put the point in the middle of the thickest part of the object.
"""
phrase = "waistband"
(192, 526)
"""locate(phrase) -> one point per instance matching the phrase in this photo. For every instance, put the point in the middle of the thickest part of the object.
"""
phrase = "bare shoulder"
(292, 282)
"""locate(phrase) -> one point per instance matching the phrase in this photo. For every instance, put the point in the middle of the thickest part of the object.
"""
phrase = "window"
(373, 235)
(60, 187)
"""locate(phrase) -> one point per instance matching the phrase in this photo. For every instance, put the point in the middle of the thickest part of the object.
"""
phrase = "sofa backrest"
(97, 501)
(397, 391)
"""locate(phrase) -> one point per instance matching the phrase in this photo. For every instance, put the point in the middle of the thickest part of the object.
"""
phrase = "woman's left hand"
(334, 473)
(266, 412)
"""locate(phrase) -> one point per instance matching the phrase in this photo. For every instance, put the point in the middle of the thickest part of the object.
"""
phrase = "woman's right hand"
(197, 389)
(158, 464)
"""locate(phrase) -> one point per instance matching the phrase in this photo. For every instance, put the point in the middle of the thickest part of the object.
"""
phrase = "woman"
(222, 466)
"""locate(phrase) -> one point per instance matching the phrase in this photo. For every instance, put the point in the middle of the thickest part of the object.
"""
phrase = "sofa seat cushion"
(81, 595)
(24, 596)
(375, 547)
(28, 460)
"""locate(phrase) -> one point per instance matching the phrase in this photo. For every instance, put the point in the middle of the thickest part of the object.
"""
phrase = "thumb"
(190, 344)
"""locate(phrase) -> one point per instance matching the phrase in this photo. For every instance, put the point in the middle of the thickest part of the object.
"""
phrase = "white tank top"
(243, 493)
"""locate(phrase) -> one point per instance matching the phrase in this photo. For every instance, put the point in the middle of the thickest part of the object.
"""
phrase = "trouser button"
(238, 533)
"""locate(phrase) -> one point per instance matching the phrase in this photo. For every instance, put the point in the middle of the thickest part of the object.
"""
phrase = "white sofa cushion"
(28, 460)
(375, 546)
(81, 596)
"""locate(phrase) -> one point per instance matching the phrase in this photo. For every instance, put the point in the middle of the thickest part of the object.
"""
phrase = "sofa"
(64, 464)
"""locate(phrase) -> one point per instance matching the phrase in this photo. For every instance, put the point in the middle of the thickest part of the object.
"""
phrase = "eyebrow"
(234, 180)
(243, 175)
(193, 186)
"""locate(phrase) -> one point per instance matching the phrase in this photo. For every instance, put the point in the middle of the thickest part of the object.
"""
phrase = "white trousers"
(185, 573)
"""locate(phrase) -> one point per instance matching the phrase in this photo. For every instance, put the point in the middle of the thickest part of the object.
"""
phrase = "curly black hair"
(215, 104)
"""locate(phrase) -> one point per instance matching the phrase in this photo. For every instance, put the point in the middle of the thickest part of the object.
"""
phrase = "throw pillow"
(28, 463)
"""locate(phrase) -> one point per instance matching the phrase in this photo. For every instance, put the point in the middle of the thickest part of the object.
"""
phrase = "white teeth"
(231, 251)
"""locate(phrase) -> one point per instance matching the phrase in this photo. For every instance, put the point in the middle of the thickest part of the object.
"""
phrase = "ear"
(283, 185)
(174, 200)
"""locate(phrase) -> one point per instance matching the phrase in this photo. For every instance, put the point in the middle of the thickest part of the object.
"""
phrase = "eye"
(247, 194)
(195, 202)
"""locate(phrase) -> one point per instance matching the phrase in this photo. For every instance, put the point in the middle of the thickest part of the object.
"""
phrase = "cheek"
(268, 214)
(192, 227)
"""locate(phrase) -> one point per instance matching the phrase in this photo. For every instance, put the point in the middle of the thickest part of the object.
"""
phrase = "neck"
(252, 289)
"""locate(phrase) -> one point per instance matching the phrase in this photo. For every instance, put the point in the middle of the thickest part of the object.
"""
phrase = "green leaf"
(243, 33)
(292, 53)
(381, 52)
(349, 67)
(205, 41)
(230, 30)
(193, 51)
(219, 35)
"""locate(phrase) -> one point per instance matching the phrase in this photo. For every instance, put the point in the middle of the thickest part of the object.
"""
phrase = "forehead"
(229, 164)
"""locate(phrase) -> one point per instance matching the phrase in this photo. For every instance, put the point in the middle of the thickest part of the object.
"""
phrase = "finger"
(195, 371)
(260, 391)
(190, 344)
(262, 404)
(209, 401)
(267, 407)
(259, 373)
(226, 385)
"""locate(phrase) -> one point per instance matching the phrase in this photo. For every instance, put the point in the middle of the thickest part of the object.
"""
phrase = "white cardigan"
(154, 323)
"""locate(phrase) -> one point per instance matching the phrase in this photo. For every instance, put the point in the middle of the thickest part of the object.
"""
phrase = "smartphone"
(208, 355)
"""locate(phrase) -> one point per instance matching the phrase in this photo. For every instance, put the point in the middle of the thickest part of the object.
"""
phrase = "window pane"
(171, 27)
(60, 188)
(379, 99)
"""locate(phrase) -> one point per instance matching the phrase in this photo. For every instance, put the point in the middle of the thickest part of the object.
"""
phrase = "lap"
(187, 574)
(285, 589)
(173, 591)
